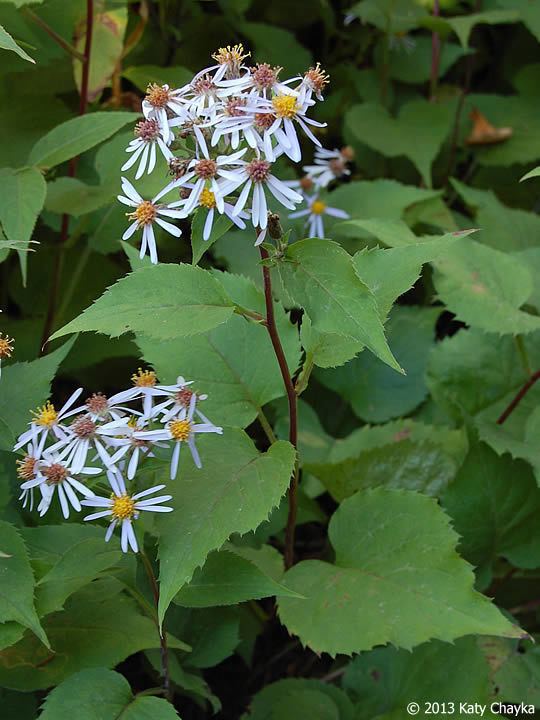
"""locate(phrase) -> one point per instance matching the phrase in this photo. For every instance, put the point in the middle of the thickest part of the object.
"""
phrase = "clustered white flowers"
(109, 436)
(228, 127)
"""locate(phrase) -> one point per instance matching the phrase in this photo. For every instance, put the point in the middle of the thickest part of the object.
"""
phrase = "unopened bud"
(274, 226)
(347, 153)
(184, 193)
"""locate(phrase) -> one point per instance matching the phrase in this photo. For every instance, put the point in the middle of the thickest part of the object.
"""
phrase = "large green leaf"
(142, 75)
(234, 363)
(74, 136)
(494, 503)
(17, 583)
(404, 454)
(485, 288)
(162, 301)
(227, 579)
(24, 387)
(384, 681)
(296, 698)
(319, 275)
(233, 492)
(373, 126)
(375, 392)
(397, 579)
(464, 24)
(8, 43)
(90, 632)
(75, 197)
(101, 694)
(277, 46)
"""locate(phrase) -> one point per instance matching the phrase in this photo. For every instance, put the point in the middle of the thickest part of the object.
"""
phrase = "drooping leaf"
(162, 301)
(101, 694)
(393, 137)
(74, 136)
(24, 387)
(17, 584)
(8, 43)
(233, 492)
(397, 579)
(319, 275)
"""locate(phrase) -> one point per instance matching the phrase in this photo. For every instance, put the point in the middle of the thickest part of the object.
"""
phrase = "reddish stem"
(519, 397)
(72, 169)
(293, 414)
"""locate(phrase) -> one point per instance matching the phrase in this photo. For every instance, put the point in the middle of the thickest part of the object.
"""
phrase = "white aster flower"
(329, 165)
(159, 99)
(130, 449)
(53, 475)
(313, 83)
(143, 147)
(124, 508)
(27, 471)
(180, 398)
(6, 348)
(181, 429)
(256, 174)
(48, 419)
(148, 212)
(314, 213)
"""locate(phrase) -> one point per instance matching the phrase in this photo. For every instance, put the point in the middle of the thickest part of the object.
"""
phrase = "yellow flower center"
(144, 378)
(318, 207)
(144, 214)
(285, 106)
(123, 507)
(157, 95)
(180, 429)
(45, 415)
(231, 55)
(207, 199)
(6, 346)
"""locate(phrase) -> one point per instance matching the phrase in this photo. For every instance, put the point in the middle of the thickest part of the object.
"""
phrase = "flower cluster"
(228, 125)
(109, 436)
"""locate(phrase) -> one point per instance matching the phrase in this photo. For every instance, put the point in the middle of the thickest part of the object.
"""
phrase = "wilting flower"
(123, 508)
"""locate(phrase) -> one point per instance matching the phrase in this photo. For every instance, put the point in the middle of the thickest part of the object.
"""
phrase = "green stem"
(266, 427)
(523, 354)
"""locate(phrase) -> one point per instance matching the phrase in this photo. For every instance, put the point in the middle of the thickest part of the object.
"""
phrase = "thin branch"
(54, 35)
(64, 231)
(162, 635)
(293, 413)
(519, 397)
(266, 427)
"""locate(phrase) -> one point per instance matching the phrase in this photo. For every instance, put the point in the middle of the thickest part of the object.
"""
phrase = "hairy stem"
(293, 414)
(64, 230)
(162, 636)
(519, 397)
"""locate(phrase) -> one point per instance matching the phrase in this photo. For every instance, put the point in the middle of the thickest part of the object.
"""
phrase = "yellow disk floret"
(123, 507)
(158, 95)
(144, 214)
(6, 346)
(207, 199)
(180, 429)
(285, 106)
(45, 415)
(318, 207)
(231, 55)
(144, 378)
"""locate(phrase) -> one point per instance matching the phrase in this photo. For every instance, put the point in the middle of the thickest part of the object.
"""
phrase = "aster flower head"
(160, 100)
(329, 165)
(123, 508)
(148, 139)
(6, 348)
(48, 420)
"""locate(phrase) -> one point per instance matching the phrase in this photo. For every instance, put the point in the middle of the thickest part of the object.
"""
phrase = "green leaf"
(494, 503)
(21, 201)
(8, 43)
(397, 579)
(384, 681)
(296, 698)
(234, 492)
(162, 301)
(375, 392)
(114, 625)
(220, 226)
(228, 579)
(414, 66)
(142, 75)
(528, 13)
(464, 24)
(17, 583)
(390, 16)
(518, 677)
(213, 633)
(319, 275)
(277, 46)
(74, 136)
(393, 137)
(404, 455)
(535, 172)
(75, 197)
(100, 694)
(234, 363)
(485, 288)
(24, 387)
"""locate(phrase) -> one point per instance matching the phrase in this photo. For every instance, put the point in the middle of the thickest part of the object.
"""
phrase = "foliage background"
(466, 333)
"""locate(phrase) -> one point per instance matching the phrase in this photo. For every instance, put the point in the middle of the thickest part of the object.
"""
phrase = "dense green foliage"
(411, 331)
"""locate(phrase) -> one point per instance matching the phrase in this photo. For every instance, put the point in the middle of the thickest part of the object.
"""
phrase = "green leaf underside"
(162, 301)
(233, 492)
(397, 579)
